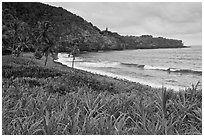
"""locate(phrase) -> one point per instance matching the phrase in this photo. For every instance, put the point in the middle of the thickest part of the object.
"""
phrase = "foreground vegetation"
(43, 97)
(60, 100)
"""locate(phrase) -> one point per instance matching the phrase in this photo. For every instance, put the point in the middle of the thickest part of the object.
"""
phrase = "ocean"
(177, 68)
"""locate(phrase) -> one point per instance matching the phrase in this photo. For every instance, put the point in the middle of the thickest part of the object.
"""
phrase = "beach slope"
(56, 99)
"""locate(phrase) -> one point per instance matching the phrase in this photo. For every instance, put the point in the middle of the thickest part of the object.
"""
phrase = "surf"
(168, 69)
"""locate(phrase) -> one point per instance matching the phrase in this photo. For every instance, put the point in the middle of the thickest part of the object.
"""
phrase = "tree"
(73, 42)
(15, 34)
(46, 41)
(5, 39)
(16, 38)
(75, 51)
(73, 48)
(21, 38)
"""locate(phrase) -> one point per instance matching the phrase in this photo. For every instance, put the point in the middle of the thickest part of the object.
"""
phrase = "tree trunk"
(73, 61)
(46, 60)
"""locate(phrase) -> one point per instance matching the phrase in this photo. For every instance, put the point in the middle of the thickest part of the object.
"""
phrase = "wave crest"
(168, 69)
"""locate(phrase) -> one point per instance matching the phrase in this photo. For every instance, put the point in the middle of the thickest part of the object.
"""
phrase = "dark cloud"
(177, 20)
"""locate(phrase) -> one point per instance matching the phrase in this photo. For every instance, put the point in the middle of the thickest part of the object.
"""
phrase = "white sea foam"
(100, 64)
(63, 59)
(67, 58)
(155, 67)
(174, 69)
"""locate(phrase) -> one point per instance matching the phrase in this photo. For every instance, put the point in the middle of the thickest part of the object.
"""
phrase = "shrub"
(38, 100)
(38, 55)
(9, 71)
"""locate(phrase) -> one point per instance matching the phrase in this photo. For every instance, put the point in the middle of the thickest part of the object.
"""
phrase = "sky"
(181, 20)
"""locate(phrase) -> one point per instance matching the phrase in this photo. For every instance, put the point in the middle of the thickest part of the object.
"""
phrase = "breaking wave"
(100, 64)
(63, 57)
(168, 69)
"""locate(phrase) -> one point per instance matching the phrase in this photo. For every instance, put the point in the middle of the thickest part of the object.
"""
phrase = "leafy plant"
(41, 101)
(45, 40)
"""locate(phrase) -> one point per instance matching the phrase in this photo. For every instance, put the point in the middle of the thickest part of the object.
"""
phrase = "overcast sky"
(172, 20)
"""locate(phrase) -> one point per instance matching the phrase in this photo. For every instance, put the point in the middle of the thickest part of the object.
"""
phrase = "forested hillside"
(66, 28)
(43, 97)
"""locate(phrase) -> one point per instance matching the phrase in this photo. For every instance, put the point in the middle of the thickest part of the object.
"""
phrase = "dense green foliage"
(42, 100)
(15, 34)
(38, 99)
(68, 26)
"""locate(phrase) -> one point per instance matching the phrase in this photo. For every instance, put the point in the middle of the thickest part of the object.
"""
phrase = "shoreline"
(85, 52)
(120, 77)
(26, 81)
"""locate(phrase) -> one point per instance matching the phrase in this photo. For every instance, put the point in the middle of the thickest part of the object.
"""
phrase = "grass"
(59, 100)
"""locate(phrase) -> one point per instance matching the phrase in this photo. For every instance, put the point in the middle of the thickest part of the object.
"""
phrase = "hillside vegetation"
(61, 100)
(68, 26)
(41, 97)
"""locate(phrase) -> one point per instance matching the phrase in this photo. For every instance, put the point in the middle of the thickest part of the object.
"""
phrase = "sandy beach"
(68, 62)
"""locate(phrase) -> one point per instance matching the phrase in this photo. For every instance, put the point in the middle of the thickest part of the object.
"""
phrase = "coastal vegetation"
(23, 30)
(40, 96)
(55, 99)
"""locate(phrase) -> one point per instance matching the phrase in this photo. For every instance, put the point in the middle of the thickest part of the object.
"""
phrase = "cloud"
(136, 18)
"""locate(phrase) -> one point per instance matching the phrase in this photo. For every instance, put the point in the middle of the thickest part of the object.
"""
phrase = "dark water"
(174, 68)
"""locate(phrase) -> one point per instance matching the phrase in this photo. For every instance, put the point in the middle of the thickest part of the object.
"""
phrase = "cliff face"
(69, 26)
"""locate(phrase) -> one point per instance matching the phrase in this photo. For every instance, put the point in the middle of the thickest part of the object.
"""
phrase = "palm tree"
(5, 37)
(46, 43)
(75, 51)
(15, 37)
(14, 33)
(49, 49)
(22, 38)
